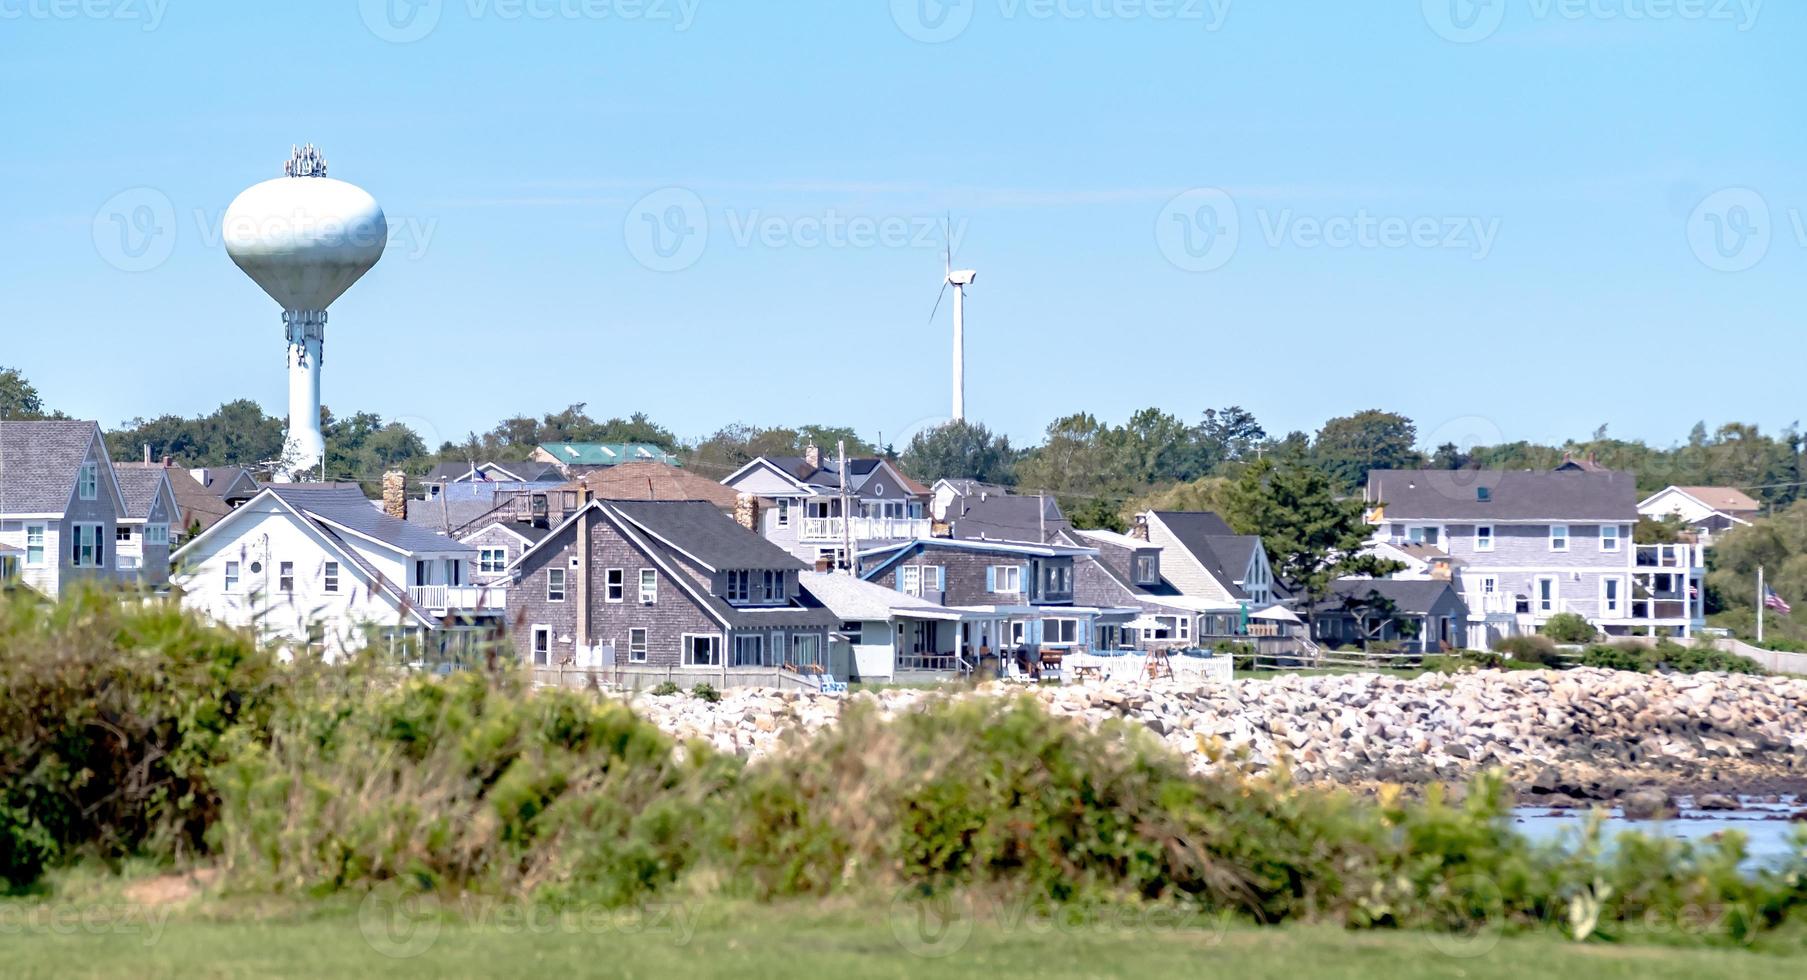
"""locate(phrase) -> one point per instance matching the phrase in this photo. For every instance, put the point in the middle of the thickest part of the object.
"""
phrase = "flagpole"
(1762, 603)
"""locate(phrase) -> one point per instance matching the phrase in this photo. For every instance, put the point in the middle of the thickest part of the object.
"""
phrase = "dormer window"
(88, 487)
(1148, 570)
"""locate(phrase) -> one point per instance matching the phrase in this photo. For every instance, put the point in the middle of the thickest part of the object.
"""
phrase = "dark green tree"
(1347, 448)
(959, 450)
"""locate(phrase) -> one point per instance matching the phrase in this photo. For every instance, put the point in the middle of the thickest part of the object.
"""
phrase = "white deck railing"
(830, 529)
(449, 597)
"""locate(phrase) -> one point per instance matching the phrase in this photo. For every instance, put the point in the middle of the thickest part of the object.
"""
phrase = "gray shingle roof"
(702, 531)
(1509, 495)
(39, 464)
(349, 508)
(1410, 596)
(1224, 553)
(1006, 518)
(139, 486)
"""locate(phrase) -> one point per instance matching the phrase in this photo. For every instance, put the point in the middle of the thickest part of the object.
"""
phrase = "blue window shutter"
(941, 578)
(897, 575)
(991, 578)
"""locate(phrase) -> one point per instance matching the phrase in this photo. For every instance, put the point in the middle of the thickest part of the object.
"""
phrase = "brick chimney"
(812, 454)
(746, 512)
(395, 494)
(1139, 528)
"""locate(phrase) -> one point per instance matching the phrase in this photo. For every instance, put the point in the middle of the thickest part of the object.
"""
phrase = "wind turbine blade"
(948, 238)
(938, 300)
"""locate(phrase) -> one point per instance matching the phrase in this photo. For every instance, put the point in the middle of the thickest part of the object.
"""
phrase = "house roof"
(1510, 495)
(605, 453)
(990, 517)
(139, 484)
(703, 533)
(40, 462)
(1411, 596)
(220, 480)
(655, 481)
(198, 504)
(531, 471)
(827, 475)
(1209, 540)
(350, 509)
(1730, 500)
(1116, 540)
(856, 600)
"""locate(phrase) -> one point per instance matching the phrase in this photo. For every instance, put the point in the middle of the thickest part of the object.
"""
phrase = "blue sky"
(1512, 219)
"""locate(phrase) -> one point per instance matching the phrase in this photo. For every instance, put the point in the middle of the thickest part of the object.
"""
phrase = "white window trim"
(649, 595)
(487, 567)
(737, 586)
(564, 585)
(43, 531)
(1483, 542)
(784, 512)
(1563, 537)
(1616, 611)
(621, 586)
(1555, 595)
(1614, 537)
(329, 578)
(290, 575)
(87, 485)
(638, 657)
(533, 644)
(232, 577)
(96, 549)
(684, 659)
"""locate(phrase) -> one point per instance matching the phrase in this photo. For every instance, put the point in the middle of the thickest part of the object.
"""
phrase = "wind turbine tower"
(959, 279)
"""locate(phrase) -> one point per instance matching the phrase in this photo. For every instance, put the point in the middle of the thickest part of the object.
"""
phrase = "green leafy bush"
(666, 689)
(112, 709)
(706, 692)
(1569, 628)
(1530, 649)
(1617, 656)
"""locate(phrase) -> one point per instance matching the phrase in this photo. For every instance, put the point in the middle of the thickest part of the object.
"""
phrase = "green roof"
(607, 453)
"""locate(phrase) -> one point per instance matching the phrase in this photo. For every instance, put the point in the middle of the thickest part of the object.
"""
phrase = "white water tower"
(305, 239)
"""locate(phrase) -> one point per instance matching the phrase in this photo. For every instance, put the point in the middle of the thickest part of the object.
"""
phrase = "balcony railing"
(447, 598)
(832, 529)
(1680, 557)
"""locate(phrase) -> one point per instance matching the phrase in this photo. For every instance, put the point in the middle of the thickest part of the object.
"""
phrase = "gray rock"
(1648, 804)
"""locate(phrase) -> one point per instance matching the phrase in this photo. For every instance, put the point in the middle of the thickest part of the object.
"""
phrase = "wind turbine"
(959, 279)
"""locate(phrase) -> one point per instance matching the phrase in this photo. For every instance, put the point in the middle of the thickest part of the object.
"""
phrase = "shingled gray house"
(657, 589)
(149, 523)
(60, 506)
(1526, 545)
(1418, 615)
(808, 518)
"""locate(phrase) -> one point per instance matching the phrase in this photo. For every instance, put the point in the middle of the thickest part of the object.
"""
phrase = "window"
(1546, 595)
(749, 651)
(1483, 494)
(331, 586)
(34, 545)
(1483, 537)
(88, 488)
(1058, 579)
(636, 646)
(702, 651)
(156, 534)
(1612, 597)
(491, 561)
(912, 579)
(542, 646)
(1006, 579)
(853, 632)
(737, 586)
(1424, 535)
(555, 585)
(122, 533)
(649, 586)
(422, 572)
(232, 576)
(1017, 632)
(784, 513)
(806, 650)
(1060, 631)
(1609, 537)
(773, 591)
(285, 576)
(614, 585)
(1490, 585)
(1147, 570)
(1559, 537)
(86, 549)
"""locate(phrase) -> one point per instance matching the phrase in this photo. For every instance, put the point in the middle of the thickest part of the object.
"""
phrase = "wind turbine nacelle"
(963, 277)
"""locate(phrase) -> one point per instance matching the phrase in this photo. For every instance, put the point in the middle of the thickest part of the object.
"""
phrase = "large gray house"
(1525, 545)
(60, 506)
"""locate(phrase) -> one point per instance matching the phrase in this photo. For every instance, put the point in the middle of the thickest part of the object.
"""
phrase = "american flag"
(1776, 602)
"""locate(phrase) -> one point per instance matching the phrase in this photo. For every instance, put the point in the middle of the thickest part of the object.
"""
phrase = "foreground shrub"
(465, 783)
(1569, 628)
(1668, 655)
(1530, 649)
(112, 709)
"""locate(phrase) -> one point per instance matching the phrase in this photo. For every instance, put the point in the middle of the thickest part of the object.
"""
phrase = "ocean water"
(1768, 841)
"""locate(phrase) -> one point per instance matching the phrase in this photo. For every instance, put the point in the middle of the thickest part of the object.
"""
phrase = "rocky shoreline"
(1564, 738)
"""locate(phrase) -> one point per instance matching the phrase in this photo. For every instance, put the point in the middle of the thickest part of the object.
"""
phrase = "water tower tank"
(305, 239)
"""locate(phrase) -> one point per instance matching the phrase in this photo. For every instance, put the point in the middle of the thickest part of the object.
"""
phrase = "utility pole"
(846, 513)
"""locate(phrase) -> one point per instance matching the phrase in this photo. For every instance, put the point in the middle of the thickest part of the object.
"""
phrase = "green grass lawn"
(793, 941)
